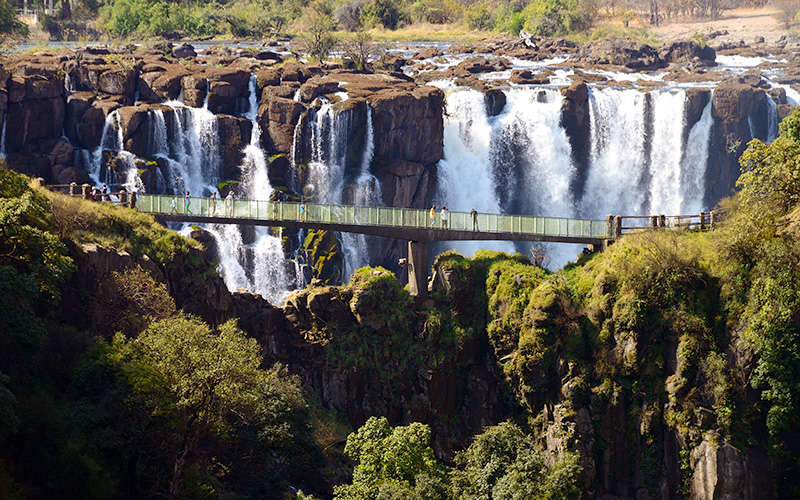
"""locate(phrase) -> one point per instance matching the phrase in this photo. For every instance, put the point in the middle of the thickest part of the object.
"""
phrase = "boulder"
(318, 85)
(401, 181)
(183, 51)
(234, 133)
(732, 101)
(34, 120)
(286, 91)
(480, 64)
(576, 123)
(392, 62)
(293, 72)
(228, 89)
(427, 53)
(723, 471)
(686, 51)
(495, 100)
(325, 254)
(161, 83)
(268, 77)
(135, 132)
(622, 52)
(279, 170)
(118, 82)
(527, 77)
(63, 174)
(696, 102)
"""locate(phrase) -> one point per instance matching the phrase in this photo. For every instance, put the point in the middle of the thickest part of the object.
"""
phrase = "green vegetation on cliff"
(107, 389)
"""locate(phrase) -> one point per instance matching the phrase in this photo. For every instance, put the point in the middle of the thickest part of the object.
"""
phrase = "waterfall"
(328, 142)
(669, 121)
(110, 140)
(193, 149)
(694, 164)
(466, 178)
(618, 134)
(3, 137)
(159, 145)
(772, 120)
(366, 191)
(531, 147)
(260, 267)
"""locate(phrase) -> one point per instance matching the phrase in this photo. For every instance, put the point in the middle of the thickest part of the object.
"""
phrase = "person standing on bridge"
(444, 217)
(186, 201)
(173, 206)
(474, 215)
(213, 203)
(433, 215)
(229, 204)
(302, 211)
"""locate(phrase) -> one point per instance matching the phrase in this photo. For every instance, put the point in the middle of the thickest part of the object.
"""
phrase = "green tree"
(392, 463)
(386, 13)
(502, 464)
(316, 25)
(8, 20)
(207, 384)
(559, 17)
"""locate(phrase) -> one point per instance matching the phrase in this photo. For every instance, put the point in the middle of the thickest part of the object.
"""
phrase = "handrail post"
(73, 188)
(617, 226)
(713, 219)
(654, 222)
(702, 221)
(86, 191)
(662, 220)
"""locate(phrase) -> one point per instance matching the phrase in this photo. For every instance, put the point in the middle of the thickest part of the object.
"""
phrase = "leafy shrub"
(479, 16)
(559, 17)
(385, 13)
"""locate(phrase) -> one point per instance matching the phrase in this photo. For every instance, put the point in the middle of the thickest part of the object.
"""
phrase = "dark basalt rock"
(622, 52)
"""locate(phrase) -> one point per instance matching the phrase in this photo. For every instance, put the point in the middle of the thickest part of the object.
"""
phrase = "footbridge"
(412, 225)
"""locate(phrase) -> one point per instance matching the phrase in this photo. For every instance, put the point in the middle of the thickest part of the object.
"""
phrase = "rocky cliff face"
(365, 350)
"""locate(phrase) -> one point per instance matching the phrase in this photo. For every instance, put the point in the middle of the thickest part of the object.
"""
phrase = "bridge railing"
(375, 216)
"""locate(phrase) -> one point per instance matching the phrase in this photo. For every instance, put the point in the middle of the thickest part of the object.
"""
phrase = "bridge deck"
(401, 223)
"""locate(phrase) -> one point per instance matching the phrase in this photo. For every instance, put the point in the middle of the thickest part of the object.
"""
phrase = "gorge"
(663, 368)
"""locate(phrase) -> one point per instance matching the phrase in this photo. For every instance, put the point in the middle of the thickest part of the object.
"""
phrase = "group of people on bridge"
(445, 213)
(212, 204)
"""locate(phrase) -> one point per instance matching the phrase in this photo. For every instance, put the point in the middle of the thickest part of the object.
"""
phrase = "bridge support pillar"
(418, 268)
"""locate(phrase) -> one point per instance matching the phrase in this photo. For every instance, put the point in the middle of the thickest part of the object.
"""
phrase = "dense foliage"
(165, 407)
(500, 464)
(315, 20)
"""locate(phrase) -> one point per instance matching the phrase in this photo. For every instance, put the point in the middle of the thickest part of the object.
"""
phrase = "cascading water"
(695, 162)
(328, 143)
(194, 149)
(772, 120)
(669, 121)
(333, 177)
(3, 137)
(365, 191)
(530, 145)
(618, 134)
(270, 275)
(642, 159)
